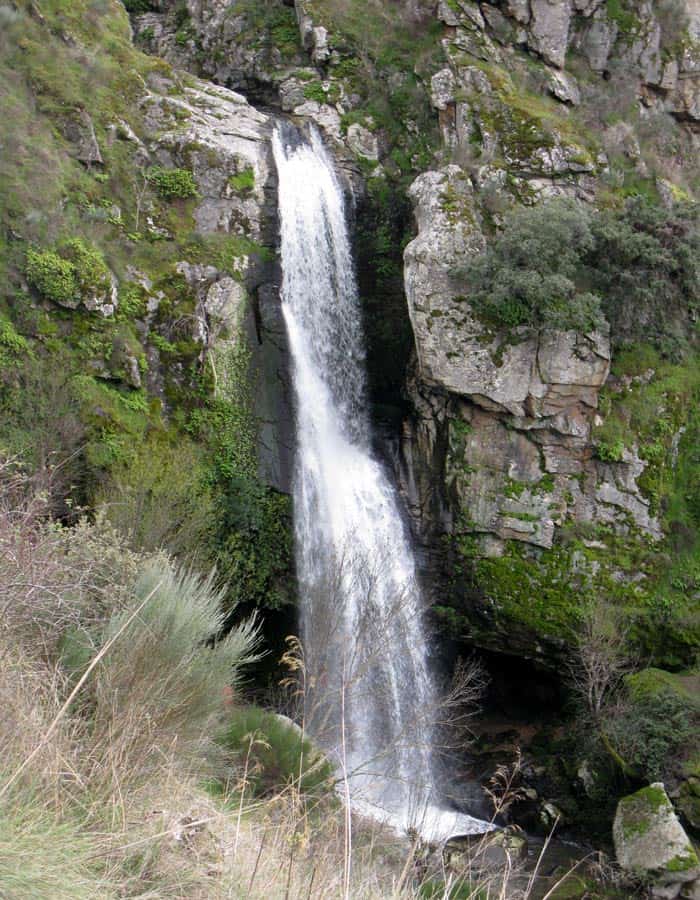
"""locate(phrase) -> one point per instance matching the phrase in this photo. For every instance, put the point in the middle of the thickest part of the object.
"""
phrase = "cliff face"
(530, 470)
(501, 453)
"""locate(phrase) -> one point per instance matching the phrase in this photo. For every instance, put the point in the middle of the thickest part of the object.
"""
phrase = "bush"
(530, 274)
(561, 265)
(91, 272)
(649, 731)
(166, 676)
(52, 276)
(173, 184)
(645, 264)
(74, 271)
(273, 754)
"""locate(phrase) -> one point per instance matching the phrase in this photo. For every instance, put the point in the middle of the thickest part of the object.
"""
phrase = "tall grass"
(114, 676)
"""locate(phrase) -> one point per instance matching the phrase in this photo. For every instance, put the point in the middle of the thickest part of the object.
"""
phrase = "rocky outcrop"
(225, 142)
(650, 841)
(518, 457)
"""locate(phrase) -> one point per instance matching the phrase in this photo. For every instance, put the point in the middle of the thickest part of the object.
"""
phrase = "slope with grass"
(134, 225)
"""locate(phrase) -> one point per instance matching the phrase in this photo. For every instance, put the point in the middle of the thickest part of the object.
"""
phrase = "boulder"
(215, 133)
(549, 30)
(650, 841)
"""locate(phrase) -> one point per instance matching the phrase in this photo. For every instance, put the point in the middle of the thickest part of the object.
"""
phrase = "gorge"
(386, 312)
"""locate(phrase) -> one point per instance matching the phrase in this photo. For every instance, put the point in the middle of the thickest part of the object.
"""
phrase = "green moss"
(531, 591)
(683, 862)
(639, 810)
(654, 682)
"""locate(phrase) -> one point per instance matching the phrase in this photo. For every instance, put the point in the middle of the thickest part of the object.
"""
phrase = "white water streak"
(361, 608)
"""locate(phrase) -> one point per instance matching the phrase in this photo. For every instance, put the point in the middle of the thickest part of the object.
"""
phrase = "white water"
(369, 697)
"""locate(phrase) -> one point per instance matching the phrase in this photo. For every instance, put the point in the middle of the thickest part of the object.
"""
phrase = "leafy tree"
(645, 263)
(531, 273)
(563, 265)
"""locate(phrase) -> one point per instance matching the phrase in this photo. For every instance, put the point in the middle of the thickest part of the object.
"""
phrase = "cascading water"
(370, 700)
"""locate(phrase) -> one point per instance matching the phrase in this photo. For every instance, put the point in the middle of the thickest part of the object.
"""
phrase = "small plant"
(609, 452)
(74, 271)
(12, 344)
(52, 276)
(173, 184)
(91, 272)
(315, 91)
(274, 754)
(243, 182)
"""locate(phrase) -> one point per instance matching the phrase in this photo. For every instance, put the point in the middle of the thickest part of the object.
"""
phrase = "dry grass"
(112, 680)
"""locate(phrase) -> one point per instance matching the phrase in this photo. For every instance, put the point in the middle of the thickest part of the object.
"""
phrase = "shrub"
(12, 344)
(609, 452)
(173, 184)
(73, 271)
(166, 676)
(244, 181)
(52, 276)
(530, 274)
(645, 266)
(273, 754)
(91, 272)
(649, 731)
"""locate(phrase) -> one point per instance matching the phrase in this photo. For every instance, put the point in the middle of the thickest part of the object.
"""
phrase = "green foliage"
(74, 271)
(529, 275)
(271, 26)
(173, 184)
(560, 265)
(91, 272)
(159, 498)
(243, 182)
(273, 755)
(13, 346)
(649, 731)
(619, 13)
(52, 275)
(645, 266)
(609, 452)
(314, 91)
(254, 541)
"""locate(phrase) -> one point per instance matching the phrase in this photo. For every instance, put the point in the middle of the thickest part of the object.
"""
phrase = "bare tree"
(601, 658)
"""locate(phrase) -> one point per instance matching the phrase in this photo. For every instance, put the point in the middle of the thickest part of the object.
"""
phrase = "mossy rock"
(654, 682)
(649, 839)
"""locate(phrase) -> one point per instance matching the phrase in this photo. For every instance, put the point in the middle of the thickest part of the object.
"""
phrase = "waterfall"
(369, 696)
